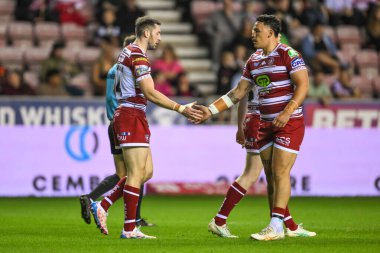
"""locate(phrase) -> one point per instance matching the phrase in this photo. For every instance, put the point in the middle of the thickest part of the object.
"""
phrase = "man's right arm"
(226, 101)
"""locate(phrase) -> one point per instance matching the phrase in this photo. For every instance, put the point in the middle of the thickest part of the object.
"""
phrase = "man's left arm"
(300, 79)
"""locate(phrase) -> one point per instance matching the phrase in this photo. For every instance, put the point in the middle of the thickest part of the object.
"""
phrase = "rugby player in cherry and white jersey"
(134, 86)
(281, 77)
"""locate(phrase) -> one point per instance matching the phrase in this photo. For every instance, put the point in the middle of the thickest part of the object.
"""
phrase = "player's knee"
(138, 174)
(279, 174)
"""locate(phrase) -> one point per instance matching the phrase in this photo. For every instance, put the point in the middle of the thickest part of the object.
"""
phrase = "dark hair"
(128, 40)
(272, 21)
(57, 45)
(316, 25)
(52, 72)
(143, 23)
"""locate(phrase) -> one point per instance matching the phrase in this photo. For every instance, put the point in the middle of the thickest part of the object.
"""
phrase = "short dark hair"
(52, 72)
(272, 21)
(143, 23)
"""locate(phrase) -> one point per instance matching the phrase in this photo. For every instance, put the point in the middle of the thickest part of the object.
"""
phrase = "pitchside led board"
(61, 148)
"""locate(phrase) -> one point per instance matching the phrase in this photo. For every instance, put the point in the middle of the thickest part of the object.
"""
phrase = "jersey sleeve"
(140, 67)
(293, 61)
(247, 72)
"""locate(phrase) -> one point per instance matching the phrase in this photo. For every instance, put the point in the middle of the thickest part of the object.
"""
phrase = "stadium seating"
(71, 54)
(6, 10)
(348, 36)
(368, 63)
(3, 34)
(46, 33)
(12, 56)
(34, 56)
(87, 56)
(364, 84)
(74, 35)
(330, 31)
(298, 34)
(21, 33)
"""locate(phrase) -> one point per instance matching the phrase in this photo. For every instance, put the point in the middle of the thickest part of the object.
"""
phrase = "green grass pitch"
(54, 225)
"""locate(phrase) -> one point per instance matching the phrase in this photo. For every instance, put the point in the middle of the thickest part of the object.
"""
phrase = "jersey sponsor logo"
(297, 63)
(141, 70)
(292, 53)
(283, 140)
(262, 81)
(140, 59)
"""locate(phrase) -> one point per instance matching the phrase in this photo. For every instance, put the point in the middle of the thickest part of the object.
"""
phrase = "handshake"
(196, 114)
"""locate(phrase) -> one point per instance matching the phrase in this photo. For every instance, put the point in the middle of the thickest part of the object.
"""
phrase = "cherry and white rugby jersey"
(271, 75)
(132, 66)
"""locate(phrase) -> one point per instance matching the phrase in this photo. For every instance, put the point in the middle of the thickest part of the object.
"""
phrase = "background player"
(134, 86)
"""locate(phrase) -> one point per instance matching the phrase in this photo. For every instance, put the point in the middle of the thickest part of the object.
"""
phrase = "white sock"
(277, 224)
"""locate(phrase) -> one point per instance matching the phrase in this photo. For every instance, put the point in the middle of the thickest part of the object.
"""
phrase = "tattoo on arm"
(248, 88)
(233, 97)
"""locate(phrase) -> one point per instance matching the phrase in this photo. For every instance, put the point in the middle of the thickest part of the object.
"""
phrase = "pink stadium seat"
(6, 10)
(88, 55)
(70, 54)
(35, 56)
(3, 34)
(368, 63)
(364, 84)
(12, 57)
(21, 33)
(331, 33)
(73, 34)
(377, 84)
(201, 11)
(330, 79)
(367, 57)
(348, 34)
(299, 33)
(46, 33)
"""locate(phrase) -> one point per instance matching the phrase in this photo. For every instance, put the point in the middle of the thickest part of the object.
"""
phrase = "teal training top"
(111, 101)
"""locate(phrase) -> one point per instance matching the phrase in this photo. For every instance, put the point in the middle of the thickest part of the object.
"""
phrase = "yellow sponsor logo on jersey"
(140, 59)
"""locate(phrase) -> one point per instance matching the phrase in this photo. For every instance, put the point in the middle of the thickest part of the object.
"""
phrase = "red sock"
(131, 199)
(288, 220)
(234, 194)
(278, 212)
(116, 193)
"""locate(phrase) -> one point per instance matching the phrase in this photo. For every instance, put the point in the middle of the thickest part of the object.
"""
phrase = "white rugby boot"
(221, 231)
(268, 234)
(299, 232)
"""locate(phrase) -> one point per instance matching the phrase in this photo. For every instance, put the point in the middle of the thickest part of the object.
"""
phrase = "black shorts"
(114, 150)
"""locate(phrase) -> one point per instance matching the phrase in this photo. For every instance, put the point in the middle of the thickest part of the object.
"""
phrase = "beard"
(151, 46)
